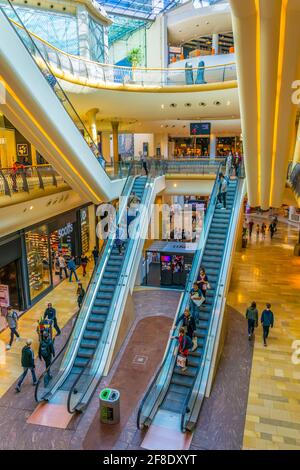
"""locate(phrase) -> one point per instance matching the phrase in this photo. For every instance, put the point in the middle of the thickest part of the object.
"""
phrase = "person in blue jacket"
(267, 321)
(72, 269)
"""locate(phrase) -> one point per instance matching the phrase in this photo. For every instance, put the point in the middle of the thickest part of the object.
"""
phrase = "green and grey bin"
(109, 406)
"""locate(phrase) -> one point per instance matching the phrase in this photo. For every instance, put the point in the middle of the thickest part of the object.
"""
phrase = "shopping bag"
(181, 361)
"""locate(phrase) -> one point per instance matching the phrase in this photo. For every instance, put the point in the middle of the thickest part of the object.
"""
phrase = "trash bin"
(109, 406)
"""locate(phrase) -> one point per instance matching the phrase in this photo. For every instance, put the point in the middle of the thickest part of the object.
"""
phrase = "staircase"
(182, 383)
(102, 304)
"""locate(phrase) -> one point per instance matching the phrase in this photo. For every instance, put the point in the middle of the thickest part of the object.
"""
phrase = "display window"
(38, 261)
(9, 278)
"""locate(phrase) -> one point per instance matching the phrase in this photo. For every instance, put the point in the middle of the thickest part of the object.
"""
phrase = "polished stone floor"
(267, 271)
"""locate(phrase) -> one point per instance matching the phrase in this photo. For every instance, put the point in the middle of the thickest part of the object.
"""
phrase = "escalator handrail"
(106, 329)
(218, 296)
(83, 314)
(171, 346)
(14, 26)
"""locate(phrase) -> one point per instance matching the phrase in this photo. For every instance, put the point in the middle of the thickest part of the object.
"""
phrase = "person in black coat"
(27, 362)
(50, 314)
(188, 323)
(46, 353)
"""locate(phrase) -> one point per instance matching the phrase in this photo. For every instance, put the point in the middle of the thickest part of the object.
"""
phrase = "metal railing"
(26, 179)
(82, 71)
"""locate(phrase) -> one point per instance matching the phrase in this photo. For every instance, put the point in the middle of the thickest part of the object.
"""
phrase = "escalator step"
(201, 333)
(184, 380)
(98, 318)
(88, 343)
(108, 282)
(110, 275)
(102, 303)
(85, 353)
(100, 310)
(190, 372)
(91, 335)
(112, 269)
(81, 362)
(107, 289)
(94, 326)
(174, 402)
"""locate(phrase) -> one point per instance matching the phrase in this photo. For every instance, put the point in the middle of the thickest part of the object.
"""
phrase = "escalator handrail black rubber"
(195, 267)
(105, 331)
(206, 348)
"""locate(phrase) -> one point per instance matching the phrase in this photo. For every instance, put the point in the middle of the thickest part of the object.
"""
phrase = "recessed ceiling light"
(188, 105)
(175, 185)
(30, 208)
(162, 106)
(217, 103)
(202, 104)
(173, 105)
(228, 103)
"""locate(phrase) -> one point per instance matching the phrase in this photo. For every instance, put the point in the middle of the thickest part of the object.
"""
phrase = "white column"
(164, 146)
(213, 146)
(215, 43)
(83, 31)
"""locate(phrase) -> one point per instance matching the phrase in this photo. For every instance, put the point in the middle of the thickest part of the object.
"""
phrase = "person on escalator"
(120, 237)
(222, 196)
(203, 283)
(46, 353)
(189, 325)
(80, 295)
(185, 344)
(196, 300)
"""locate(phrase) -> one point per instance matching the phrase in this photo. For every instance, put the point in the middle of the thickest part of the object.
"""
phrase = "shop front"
(12, 289)
(68, 235)
(168, 264)
(191, 147)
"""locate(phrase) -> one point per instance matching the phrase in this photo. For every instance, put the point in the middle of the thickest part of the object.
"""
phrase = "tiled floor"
(268, 272)
(64, 299)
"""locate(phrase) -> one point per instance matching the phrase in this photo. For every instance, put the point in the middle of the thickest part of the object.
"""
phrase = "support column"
(213, 146)
(92, 225)
(33, 156)
(215, 43)
(83, 31)
(115, 129)
(164, 146)
(105, 145)
(92, 123)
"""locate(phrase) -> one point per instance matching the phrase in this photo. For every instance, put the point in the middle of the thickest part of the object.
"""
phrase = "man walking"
(27, 362)
(72, 269)
(62, 266)
(95, 254)
(46, 352)
(50, 314)
(144, 162)
(252, 317)
(267, 321)
(12, 321)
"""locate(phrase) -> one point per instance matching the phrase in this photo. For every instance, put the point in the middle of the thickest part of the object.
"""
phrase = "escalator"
(36, 104)
(93, 342)
(176, 395)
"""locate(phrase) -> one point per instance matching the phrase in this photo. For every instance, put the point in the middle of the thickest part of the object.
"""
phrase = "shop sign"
(4, 295)
(22, 150)
(67, 230)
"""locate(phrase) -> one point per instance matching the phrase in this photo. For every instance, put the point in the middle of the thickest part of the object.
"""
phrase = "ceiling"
(140, 106)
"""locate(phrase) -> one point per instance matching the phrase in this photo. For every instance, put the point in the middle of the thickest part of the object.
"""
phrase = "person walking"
(229, 160)
(72, 269)
(144, 162)
(27, 362)
(272, 230)
(95, 254)
(263, 230)
(62, 266)
(46, 353)
(222, 196)
(80, 295)
(257, 232)
(252, 317)
(50, 314)
(251, 225)
(12, 321)
(267, 321)
(84, 261)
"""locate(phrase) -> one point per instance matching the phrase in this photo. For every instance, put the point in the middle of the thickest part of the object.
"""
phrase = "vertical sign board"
(4, 295)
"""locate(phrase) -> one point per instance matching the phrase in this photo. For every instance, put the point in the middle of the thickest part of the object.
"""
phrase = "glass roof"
(138, 9)
(123, 27)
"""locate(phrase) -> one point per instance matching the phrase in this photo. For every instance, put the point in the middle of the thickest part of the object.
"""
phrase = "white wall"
(139, 139)
(157, 44)
(120, 49)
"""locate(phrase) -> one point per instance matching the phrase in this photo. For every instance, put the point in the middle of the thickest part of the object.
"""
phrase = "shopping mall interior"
(150, 191)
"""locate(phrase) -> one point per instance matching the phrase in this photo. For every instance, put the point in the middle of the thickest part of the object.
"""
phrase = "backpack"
(44, 349)
(187, 343)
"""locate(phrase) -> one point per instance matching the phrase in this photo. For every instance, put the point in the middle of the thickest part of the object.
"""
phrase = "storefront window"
(38, 260)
